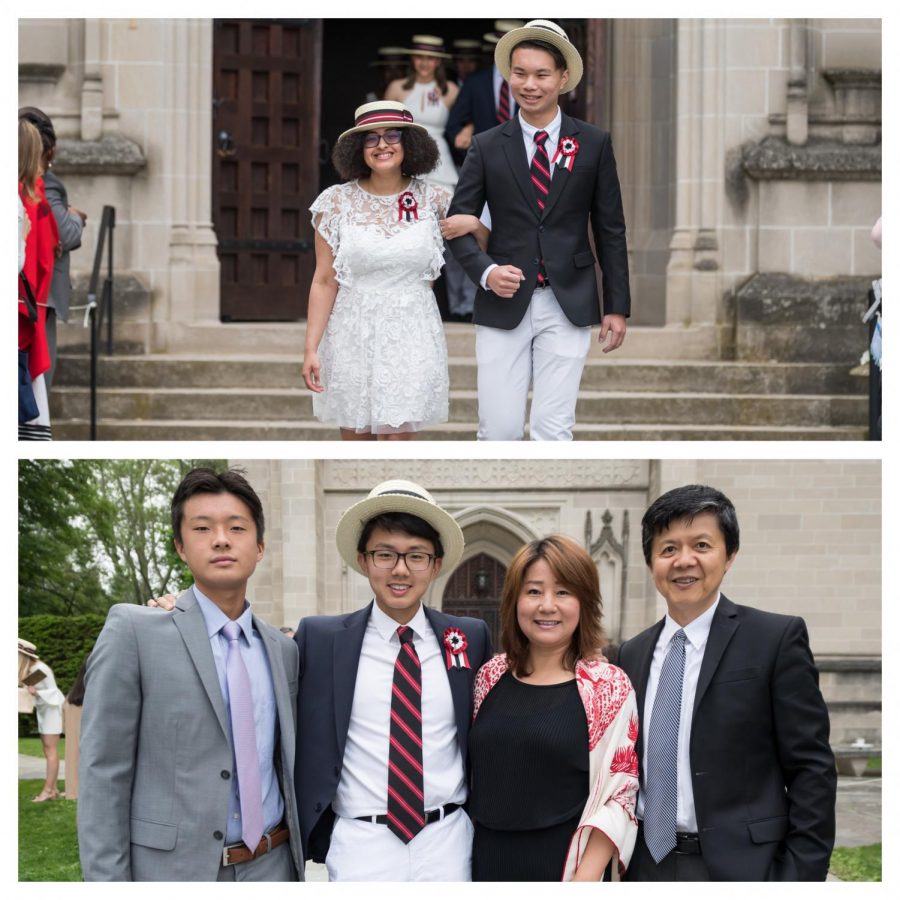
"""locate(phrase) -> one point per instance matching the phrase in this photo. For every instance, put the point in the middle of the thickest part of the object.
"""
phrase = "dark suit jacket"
(329, 658)
(762, 770)
(70, 227)
(587, 199)
(475, 103)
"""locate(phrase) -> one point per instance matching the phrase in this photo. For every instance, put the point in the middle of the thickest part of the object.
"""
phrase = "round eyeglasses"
(415, 561)
(394, 136)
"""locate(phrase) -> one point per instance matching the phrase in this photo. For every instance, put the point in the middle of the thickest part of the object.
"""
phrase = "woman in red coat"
(41, 239)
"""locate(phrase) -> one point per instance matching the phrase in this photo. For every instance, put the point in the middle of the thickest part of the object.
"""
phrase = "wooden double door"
(474, 590)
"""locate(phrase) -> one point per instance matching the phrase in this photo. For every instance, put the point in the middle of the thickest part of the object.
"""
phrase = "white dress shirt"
(697, 634)
(528, 133)
(362, 789)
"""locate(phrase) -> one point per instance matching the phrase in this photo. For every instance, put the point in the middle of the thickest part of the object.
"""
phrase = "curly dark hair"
(420, 154)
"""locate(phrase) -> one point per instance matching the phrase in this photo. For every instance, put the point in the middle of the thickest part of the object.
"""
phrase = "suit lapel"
(514, 148)
(345, 664)
(188, 619)
(724, 624)
(460, 685)
(561, 177)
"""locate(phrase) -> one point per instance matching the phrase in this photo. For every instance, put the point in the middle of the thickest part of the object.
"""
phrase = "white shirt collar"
(387, 627)
(552, 129)
(696, 632)
(215, 619)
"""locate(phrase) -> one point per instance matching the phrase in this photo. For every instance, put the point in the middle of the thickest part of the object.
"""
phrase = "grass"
(31, 746)
(48, 845)
(874, 763)
(857, 863)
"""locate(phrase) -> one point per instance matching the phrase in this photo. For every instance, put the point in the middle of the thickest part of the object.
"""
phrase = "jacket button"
(536, 261)
(218, 835)
(318, 807)
(337, 771)
(541, 229)
(225, 774)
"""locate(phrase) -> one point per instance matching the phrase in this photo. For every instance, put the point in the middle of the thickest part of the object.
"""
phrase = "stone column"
(92, 83)
(193, 289)
(797, 86)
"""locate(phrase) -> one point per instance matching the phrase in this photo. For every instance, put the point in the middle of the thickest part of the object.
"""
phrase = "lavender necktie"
(243, 731)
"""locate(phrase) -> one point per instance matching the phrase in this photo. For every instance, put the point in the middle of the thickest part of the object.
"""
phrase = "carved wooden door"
(266, 96)
(474, 590)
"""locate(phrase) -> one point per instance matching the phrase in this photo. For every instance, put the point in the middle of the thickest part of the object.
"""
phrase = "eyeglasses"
(415, 561)
(394, 136)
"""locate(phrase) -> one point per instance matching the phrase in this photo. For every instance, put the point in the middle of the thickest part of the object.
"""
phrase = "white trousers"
(363, 851)
(545, 349)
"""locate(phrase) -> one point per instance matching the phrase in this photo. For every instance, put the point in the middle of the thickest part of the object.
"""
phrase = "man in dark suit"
(385, 702)
(548, 181)
(737, 776)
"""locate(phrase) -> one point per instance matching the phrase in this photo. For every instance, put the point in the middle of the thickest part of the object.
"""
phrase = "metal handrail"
(95, 311)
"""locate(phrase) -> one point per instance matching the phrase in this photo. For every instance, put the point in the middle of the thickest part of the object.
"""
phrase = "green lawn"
(857, 863)
(874, 763)
(48, 846)
(31, 746)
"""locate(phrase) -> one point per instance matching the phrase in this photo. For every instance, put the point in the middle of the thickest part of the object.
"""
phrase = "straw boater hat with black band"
(398, 497)
(501, 26)
(547, 32)
(381, 114)
(428, 45)
(390, 56)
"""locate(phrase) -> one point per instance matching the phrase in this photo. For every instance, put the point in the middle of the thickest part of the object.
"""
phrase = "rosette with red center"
(566, 152)
(407, 205)
(455, 646)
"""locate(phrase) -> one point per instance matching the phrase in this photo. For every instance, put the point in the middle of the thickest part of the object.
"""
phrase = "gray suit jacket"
(156, 760)
(70, 227)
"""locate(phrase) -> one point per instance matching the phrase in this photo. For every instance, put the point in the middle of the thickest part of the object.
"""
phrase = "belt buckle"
(225, 861)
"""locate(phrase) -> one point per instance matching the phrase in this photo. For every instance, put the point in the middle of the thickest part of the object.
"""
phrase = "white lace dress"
(383, 354)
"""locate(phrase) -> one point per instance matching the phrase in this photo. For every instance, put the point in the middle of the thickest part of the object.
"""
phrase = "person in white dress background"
(375, 355)
(429, 95)
(48, 704)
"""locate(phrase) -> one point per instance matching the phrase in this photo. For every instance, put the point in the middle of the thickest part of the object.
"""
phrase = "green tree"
(97, 532)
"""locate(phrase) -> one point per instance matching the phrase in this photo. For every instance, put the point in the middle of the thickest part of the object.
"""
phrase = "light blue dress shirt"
(265, 714)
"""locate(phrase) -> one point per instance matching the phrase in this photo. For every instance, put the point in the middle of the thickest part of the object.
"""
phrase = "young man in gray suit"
(188, 729)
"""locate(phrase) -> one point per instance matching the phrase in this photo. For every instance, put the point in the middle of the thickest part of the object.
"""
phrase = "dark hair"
(208, 481)
(685, 503)
(406, 522)
(42, 122)
(555, 52)
(440, 76)
(420, 154)
(573, 566)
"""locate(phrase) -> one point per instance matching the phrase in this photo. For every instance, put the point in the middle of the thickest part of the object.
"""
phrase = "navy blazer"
(330, 647)
(762, 769)
(475, 103)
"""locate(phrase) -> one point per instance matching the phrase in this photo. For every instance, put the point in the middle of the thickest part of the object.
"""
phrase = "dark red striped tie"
(503, 105)
(540, 180)
(406, 790)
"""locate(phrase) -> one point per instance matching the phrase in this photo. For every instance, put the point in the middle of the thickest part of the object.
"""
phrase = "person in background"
(72, 730)
(70, 225)
(553, 765)
(467, 58)
(48, 705)
(39, 236)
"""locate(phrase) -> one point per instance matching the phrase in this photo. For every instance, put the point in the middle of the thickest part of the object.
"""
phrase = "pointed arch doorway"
(474, 590)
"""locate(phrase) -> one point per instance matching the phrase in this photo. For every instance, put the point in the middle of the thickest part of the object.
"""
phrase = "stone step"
(597, 407)
(192, 430)
(608, 374)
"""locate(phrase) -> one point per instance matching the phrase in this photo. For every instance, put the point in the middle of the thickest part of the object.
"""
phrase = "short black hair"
(420, 154)
(555, 52)
(685, 503)
(405, 522)
(208, 481)
(42, 122)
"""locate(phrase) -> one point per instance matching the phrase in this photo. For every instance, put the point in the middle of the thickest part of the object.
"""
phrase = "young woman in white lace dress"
(375, 356)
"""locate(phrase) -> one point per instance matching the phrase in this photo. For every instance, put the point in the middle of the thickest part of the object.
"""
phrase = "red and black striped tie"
(406, 792)
(503, 105)
(540, 180)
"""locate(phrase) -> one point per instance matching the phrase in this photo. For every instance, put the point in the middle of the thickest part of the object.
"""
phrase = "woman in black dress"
(554, 770)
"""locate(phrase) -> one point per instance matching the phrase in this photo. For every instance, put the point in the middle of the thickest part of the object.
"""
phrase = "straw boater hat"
(390, 56)
(501, 26)
(427, 45)
(466, 48)
(549, 33)
(398, 497)
(381, 114)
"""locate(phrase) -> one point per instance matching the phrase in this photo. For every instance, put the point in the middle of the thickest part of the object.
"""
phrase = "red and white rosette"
(566, 151)
(455, 646)
(407, 205)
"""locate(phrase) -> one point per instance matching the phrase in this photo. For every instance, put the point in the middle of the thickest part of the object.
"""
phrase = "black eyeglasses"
(415, 561)
(394, 136)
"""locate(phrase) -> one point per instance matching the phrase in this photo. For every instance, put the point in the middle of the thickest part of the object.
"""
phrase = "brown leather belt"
(240, 853)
